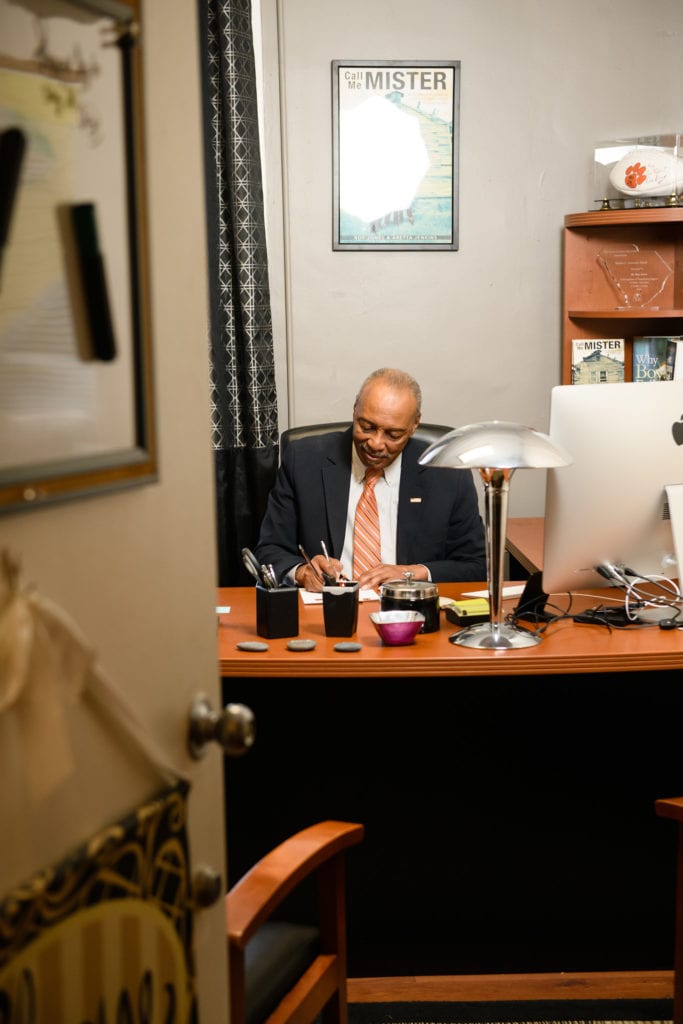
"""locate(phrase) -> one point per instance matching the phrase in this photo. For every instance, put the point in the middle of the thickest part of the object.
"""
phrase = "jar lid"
(409, 589)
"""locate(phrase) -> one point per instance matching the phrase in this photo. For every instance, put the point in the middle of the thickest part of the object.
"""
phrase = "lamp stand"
(495, 634)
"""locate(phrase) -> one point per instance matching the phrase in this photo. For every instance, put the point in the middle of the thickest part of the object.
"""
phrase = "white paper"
(310, 597)
(512, 591)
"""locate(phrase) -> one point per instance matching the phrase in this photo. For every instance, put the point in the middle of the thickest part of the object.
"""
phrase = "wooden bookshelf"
(591, 303)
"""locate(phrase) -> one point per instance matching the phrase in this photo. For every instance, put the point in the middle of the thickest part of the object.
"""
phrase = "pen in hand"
(329, 580)
(309, 563)
(332, 581)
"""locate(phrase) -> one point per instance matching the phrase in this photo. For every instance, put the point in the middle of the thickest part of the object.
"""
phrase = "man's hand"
(385, 573)
(313, 580)
(306, 578)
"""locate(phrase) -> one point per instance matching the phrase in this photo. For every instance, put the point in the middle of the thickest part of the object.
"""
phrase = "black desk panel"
(510, 822)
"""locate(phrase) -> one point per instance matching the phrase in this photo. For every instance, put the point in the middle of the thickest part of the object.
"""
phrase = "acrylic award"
(638, 276)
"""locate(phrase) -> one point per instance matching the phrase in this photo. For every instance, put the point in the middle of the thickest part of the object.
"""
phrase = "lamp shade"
(495, 444)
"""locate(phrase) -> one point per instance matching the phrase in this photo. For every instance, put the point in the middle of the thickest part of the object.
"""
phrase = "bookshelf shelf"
(625, 314)
(591, 300)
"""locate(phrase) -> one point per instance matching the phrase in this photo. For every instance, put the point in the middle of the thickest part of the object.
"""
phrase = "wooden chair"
(673, 808)
(282, 972)
(425, 432)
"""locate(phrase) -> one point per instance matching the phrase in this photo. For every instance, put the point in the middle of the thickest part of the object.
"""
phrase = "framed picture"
(395, 134)
(76, 387)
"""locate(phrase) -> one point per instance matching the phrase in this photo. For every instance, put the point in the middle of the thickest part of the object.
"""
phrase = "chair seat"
(275, 958)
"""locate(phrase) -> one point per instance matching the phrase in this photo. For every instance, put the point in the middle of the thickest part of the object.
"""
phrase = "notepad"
(514, 590)
(310, 597)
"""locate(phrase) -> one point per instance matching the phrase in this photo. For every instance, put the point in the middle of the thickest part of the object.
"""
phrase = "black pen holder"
(277, 612)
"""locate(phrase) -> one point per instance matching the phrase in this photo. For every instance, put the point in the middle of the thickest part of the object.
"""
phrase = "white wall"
(541, 83)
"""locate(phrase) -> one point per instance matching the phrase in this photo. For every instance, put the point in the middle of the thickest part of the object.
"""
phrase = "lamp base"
(503, 637)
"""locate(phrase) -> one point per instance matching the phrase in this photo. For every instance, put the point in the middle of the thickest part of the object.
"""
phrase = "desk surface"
(565, 648)
(524, 541)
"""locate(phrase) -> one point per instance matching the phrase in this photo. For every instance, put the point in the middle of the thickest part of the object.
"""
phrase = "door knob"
(207, 886)
(232, 728)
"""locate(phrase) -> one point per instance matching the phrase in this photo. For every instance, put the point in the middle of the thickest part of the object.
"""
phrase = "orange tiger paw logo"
(635, 175)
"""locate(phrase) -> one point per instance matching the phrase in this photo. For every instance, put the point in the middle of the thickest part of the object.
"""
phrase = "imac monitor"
(611, 503)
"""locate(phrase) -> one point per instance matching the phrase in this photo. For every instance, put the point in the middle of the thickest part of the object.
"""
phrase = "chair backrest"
(425, 432)
(281, 971)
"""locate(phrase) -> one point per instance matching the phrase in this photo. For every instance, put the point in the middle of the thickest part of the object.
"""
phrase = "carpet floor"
(603, 1011)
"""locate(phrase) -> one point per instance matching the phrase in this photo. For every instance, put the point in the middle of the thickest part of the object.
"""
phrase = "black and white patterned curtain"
(244, 400)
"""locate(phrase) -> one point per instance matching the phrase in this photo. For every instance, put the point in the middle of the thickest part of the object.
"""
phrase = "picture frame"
(395, 153)
(77, 414)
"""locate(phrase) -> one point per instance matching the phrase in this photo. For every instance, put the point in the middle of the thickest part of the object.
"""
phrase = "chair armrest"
(671, 807)
(253, 898)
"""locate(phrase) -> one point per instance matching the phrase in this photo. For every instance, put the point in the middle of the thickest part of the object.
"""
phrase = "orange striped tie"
(367, 549)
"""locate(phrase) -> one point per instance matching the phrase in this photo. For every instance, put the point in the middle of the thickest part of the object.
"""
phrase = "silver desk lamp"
(496, 449)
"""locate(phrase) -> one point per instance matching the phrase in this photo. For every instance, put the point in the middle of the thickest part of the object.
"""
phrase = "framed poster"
(76, 388)
(395, 134)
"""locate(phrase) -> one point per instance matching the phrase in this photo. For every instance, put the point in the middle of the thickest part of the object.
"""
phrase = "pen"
(268, 577)
(310, 563)
(329, 580)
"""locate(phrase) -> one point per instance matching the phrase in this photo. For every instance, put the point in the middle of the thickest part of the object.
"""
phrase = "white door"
(135, 570)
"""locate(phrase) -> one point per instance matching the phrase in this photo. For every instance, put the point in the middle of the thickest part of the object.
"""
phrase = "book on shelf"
(678, 360)
(654, 357)
(597, 360)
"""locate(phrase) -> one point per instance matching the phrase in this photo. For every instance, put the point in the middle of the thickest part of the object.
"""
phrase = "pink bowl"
(398, 627)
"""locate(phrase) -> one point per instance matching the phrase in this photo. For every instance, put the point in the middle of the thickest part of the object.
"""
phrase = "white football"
(648, 172)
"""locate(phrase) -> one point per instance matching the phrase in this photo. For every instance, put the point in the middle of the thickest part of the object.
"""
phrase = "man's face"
(384, 419)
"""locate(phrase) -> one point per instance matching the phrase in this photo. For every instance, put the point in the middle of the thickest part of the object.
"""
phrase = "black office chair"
(429, 432)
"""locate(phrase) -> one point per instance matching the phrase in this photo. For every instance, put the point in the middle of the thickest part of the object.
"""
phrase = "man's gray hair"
(395, 379)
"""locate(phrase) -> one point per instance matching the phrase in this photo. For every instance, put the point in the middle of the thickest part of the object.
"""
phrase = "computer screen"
(611, 505)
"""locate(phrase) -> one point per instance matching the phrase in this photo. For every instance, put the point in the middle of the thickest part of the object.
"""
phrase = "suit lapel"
(411, 500)
(335, 476)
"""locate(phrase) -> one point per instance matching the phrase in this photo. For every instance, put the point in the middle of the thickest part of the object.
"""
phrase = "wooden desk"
(514, 789)
(524, 541)
(565, 648)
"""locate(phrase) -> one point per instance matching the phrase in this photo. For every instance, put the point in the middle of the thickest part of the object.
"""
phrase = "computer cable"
(675, 622)
(665, 583)
(553, 614)
(639, 601)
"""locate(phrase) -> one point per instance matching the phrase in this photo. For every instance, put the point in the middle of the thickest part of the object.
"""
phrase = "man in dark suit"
(429, 517)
